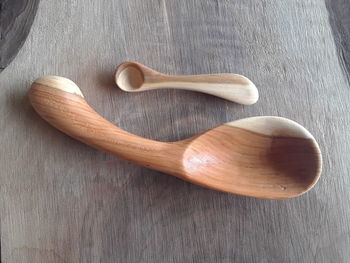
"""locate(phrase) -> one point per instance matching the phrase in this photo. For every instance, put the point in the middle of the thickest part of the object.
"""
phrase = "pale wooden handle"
(231, 87)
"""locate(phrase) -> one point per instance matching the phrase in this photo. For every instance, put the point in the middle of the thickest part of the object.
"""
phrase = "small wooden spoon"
(135, 77)
(265, 157)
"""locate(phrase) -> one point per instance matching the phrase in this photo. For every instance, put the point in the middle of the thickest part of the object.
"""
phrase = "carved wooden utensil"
(265, 157)
(135, 77)
(16, 18)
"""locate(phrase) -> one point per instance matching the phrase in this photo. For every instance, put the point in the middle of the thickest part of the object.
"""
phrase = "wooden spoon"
(265, 157)
(135, 77)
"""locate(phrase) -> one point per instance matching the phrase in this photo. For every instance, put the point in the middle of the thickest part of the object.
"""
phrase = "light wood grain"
(62, 201)
(135, 77)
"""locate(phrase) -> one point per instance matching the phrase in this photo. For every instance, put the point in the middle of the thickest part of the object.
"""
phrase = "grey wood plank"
(62, 201)
(16, 18)
(340, 23)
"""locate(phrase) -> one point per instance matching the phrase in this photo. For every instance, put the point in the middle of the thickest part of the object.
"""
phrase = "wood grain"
(16, 18)
(62, 201)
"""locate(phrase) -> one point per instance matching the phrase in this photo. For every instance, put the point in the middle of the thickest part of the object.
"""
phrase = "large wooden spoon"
(135, 77)
(265, 157)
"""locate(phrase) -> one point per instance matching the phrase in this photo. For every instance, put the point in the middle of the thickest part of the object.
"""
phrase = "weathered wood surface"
(16, 18)
(62, 201)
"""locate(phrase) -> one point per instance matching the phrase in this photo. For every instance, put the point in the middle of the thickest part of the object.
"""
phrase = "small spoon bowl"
(130, 77)
(265, 157)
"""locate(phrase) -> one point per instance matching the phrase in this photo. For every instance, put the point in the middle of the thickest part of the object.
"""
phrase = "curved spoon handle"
(232, 87)
(60, 102)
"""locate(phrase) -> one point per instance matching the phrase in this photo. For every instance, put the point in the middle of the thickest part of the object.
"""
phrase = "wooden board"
(62, 201)
(16, 18)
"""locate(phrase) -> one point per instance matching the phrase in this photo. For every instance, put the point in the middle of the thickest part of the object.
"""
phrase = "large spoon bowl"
(265, 157)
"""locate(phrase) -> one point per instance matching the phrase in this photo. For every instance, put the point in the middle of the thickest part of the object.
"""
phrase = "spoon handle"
(232, 87)
(69, 112)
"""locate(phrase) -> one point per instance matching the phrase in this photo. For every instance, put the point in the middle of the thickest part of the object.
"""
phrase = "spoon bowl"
(130, 77)
(265, 157)
(135, 77)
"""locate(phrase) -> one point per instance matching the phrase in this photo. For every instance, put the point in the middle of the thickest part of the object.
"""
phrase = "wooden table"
(62, 201)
